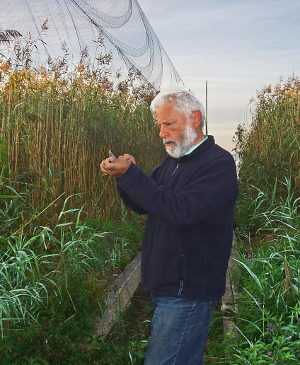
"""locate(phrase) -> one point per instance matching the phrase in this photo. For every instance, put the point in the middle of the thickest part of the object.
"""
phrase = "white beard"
(185, 142)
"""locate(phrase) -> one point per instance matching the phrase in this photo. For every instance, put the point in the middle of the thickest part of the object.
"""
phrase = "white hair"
(182, 98)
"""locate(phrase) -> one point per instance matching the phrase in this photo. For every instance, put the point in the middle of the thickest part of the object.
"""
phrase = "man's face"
(176, 130)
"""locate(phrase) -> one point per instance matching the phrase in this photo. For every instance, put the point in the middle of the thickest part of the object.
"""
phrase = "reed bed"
(55, 131)
(64, 234)
(268, 232)
(267, 275)
(269, 149)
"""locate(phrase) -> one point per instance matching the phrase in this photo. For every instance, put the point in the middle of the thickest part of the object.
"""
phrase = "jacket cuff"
(127, 178)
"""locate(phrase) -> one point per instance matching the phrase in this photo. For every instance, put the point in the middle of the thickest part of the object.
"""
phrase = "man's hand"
(127, 157)
(116, 166)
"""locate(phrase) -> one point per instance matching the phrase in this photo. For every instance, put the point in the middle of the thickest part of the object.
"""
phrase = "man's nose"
(163, 133)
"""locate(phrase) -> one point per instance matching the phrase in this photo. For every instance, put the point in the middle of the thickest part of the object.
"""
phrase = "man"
(190, 201)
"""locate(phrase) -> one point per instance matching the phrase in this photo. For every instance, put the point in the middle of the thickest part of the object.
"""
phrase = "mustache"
(169, 140)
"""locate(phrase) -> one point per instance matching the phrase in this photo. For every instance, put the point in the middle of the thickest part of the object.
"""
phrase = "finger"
(109, 166)
(103, 169)
(128, 157)
(106, 165)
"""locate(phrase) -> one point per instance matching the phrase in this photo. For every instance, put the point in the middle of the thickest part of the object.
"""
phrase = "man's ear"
(196, 118)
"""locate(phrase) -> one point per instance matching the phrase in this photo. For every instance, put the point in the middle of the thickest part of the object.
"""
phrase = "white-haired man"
(190, 201)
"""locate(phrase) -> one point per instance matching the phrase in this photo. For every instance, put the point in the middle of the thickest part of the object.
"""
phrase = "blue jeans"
(179, 330)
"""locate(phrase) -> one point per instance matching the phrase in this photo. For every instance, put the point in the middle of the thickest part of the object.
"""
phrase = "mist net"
(102, 33)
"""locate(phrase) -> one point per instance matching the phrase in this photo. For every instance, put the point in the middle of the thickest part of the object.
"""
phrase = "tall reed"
(269, 149)
(55, 131)
(267, 228)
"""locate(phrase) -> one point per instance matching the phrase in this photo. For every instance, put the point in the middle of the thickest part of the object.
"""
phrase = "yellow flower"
(80, 68)
(3, 66)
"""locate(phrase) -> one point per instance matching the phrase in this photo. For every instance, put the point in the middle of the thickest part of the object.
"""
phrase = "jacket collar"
(210, 141)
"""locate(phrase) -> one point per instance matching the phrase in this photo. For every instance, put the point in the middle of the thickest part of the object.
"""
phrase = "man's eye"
(164, 125)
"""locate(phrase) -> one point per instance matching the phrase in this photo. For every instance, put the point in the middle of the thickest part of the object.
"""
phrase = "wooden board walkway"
(230, 299)
(119, 296)
(123, 288)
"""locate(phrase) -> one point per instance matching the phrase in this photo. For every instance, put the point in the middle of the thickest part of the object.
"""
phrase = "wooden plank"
(230, 298)
(118, 298)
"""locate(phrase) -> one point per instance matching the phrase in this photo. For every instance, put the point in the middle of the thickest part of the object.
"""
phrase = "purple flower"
(250, 256)
(271, 327)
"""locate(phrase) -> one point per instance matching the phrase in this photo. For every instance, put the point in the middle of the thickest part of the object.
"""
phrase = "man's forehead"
(168, 109)
(165, 107)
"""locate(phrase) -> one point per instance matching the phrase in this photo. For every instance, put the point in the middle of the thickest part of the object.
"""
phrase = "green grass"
(54, 279)
(268, 234)
(126, 344)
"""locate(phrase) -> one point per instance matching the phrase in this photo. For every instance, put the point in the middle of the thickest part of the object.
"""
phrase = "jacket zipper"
(175, 169)
(181, 281)
(180, 287)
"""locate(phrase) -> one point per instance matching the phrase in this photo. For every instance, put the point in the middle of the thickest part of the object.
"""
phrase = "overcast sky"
(237, 46)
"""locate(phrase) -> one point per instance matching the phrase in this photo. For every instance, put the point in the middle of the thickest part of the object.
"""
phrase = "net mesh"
(106, 36)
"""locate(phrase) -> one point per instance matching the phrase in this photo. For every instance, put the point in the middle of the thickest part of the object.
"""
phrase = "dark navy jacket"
(188, 237)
